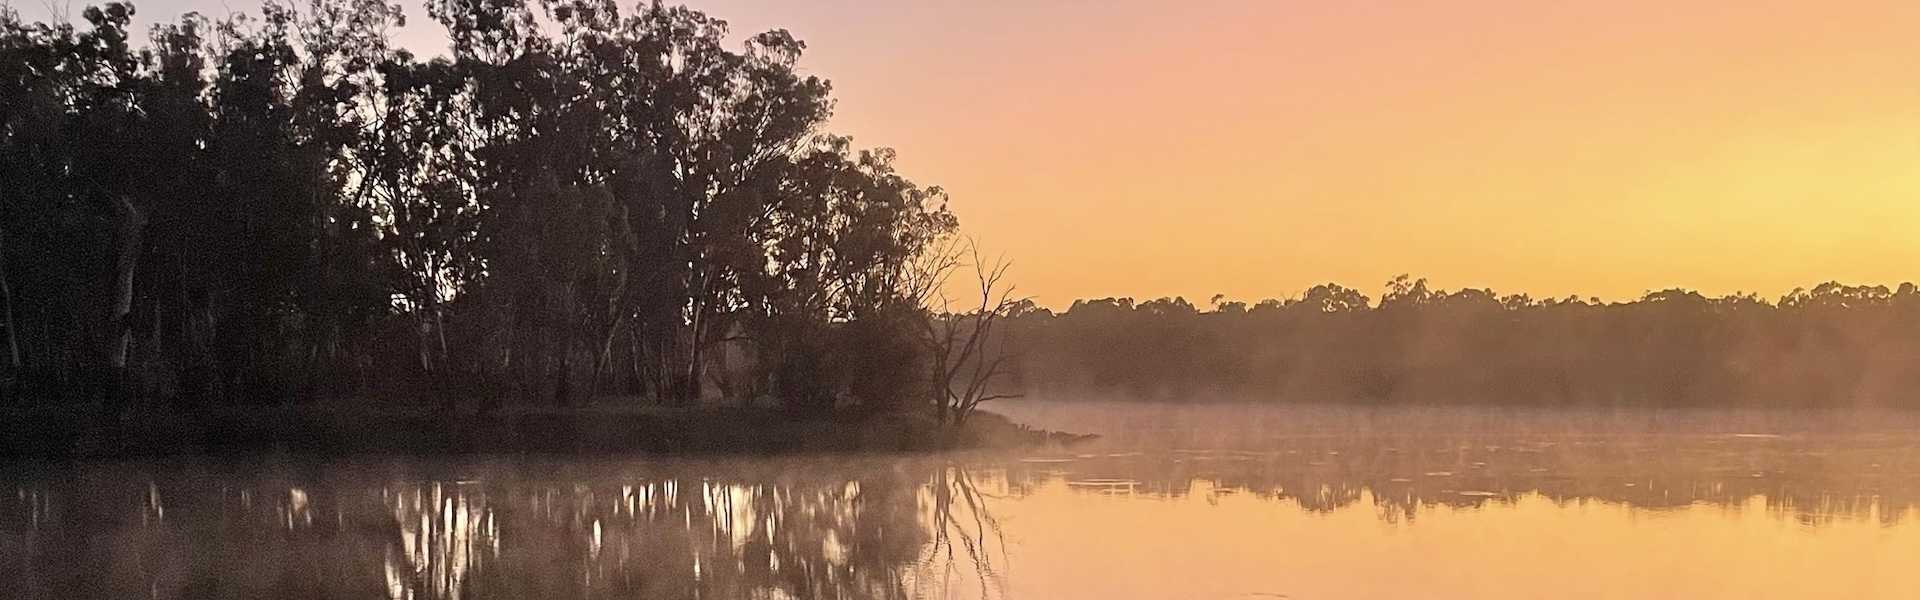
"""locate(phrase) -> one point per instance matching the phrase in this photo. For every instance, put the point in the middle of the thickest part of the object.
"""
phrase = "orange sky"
(1148, 148)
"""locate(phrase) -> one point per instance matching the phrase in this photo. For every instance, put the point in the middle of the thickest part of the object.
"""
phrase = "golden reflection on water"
(1670, 516)
(1209, 544)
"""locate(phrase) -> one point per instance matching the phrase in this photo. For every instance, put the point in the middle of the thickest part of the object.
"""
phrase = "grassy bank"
(69, 432)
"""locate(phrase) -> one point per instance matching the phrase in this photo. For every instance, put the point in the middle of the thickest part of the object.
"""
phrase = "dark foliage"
(578, 202)
(1833, 345)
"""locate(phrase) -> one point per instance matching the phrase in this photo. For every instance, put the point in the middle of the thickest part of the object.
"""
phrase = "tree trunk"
(603, 358)
(440, 331)
(690, 387)
(6, 309)
(722, 375)
(593, 380)
(420, 326)
(439, 326)
(563, 380)
(132, 224)
(940, 385)
(636, 377)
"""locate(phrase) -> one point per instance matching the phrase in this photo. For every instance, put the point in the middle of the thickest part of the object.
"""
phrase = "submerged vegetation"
(578, 202)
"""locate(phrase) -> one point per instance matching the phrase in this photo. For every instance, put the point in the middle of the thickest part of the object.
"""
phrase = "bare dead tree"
(965, 364)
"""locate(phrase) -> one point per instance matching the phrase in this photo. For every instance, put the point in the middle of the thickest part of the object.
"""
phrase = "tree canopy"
(579, 199)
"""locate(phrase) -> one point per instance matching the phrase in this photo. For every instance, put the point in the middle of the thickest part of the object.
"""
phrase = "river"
(1174, 502)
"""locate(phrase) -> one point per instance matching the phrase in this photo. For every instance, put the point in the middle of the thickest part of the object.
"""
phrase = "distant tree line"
(1832, 345)
(577, 201)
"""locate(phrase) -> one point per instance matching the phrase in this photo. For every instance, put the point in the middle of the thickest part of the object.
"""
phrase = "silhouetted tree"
(285, 207)
(968, 354)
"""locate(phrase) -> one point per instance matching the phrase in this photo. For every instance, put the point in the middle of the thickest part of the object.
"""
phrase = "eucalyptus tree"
(636, 174)
(300, 268)
(844, 278)
(574, 191)
(60, 97)
(416, 170)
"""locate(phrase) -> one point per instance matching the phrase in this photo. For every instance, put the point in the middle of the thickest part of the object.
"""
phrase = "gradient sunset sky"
(1155, 148)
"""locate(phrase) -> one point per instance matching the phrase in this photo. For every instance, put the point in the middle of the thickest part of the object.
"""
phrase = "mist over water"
(1213, 501)
(622, 260)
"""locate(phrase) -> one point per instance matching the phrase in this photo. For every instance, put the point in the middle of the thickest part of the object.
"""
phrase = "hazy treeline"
(1832, 345)
(577, 200)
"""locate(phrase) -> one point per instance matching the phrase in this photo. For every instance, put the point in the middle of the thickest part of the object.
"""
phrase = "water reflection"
(872, 527)
(1809, 478)
(759, 529)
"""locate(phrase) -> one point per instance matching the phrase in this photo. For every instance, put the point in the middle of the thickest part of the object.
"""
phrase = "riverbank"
(80, 433)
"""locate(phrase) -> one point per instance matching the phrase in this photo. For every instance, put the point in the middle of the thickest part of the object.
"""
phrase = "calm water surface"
(1182, 504)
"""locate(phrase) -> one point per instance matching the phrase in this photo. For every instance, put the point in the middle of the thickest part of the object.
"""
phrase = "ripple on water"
(1103, 482)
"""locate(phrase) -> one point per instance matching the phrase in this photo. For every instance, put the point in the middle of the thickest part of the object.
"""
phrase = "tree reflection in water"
(731, 529)
(960, 520)
(1810, 478)
(840, 527)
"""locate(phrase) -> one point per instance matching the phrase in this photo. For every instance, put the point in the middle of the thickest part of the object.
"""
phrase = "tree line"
(1831, 345)
(577, 201)
(580, 201)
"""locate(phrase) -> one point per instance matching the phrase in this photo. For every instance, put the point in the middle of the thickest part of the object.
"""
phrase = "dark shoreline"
(82, 433)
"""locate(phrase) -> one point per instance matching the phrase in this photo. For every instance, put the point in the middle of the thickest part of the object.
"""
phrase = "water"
(1174, 503)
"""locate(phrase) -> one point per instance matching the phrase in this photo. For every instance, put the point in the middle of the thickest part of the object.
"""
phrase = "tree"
(283, 207)
(967, 362)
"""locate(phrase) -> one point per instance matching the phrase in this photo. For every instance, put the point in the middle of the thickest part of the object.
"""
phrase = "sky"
(1147, 148)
